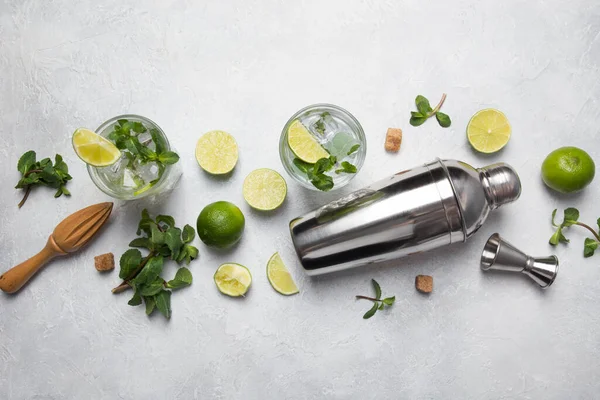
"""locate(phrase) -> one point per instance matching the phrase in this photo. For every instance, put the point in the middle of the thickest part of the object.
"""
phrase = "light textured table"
(246, 66)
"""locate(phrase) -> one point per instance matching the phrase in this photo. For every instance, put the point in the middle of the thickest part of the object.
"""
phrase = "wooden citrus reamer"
(68, 237)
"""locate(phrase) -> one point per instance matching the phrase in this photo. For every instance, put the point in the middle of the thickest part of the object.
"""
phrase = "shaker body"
(410, 212)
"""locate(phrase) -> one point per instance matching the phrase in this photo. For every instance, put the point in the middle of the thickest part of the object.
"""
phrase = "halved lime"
(264, 189)
(488, 131)
(217, 152)
(94, 149)
(303, 144)
(233, 279)
(279, 277)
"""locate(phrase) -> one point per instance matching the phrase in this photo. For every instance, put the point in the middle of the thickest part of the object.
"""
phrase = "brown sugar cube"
(105, 262)
(393, 139)
(424, 283)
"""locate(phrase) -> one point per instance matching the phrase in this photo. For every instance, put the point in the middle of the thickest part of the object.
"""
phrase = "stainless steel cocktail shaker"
(443, 202)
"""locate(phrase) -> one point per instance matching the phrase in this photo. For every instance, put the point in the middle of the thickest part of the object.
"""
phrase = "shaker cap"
(501, 184)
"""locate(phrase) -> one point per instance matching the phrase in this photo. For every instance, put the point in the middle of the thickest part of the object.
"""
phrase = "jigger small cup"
(500, 255)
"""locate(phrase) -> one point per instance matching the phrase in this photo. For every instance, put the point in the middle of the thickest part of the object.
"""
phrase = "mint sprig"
(424, 112)
(163, 241)
(42, 173)
(570, 218)
(316, 173)
(125, 135)
(378, 302)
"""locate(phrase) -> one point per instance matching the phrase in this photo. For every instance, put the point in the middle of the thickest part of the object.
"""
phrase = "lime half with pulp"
(488, 131)
(279, 277)
(233, 279)
(303, 144)
(94, 149)
(217, 152)
(264, 189)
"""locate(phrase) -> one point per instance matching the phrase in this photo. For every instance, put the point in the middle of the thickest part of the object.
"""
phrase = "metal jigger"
(500, 255)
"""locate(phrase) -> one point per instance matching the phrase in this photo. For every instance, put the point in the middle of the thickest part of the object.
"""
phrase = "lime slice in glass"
(217, 152)
(279, 277)
(264, 189)
(233, 279)
(303, 144)
(488, 131)
(94, 149)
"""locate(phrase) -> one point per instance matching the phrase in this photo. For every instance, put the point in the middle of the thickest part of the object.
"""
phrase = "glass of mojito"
(322, 147)
(147, 165)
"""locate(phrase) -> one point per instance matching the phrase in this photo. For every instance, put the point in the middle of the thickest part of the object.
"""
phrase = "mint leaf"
(598, 222)
(152, 288)
(589, 247)
(553, 216)
(133, 145)
(138, 127)
(347, 168)
(141, 242)
(187, 254)
(26, 161)
(377, 289)
(150, 305)
(558, 237)
(150, 272)
(188, 234)
(302, 166)
(388, 301)
(173, 241)
(168, 157)
(443, 119)
(157, 236)
(163, 303)
(417, 121)
(353, 149)
(571, 216)
(157, 139)
(136, 300)
(129, 262)
(145, 224)
(165, 220)
(182, 278)
(423, 105)
(381, 306)
(322, 182)
(322, 165)
(371, 312)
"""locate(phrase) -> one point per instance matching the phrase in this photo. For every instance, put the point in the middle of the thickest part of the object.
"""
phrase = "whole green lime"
(220, 224)
(568, 169)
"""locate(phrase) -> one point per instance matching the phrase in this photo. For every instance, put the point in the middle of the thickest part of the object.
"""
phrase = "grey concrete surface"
(245, 66)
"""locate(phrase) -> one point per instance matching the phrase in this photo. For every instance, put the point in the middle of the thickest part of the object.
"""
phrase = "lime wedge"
(94, 149)
(303, 144)
(217, 152)
(279, 277)
(233, 279)
(264, 189)
(488, 131)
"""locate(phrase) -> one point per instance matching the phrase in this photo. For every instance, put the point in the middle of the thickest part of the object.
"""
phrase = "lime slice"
(233, 279)
(303, 144)
(279, 277)
(488, 131)
(217, 152)
(94, 149)
(264, 189)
